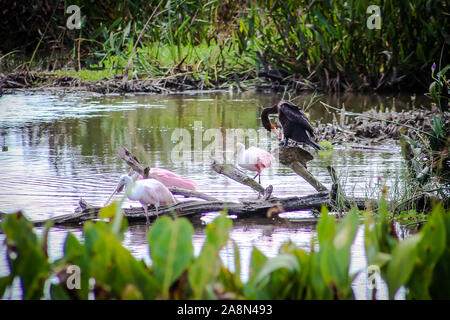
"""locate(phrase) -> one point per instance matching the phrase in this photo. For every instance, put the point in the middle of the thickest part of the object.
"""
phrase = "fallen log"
(296, 158)
(237, 175)
(191, 194)
(195, 208)
(267, 206)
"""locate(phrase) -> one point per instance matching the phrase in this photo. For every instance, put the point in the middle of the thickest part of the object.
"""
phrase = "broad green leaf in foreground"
(171, 249)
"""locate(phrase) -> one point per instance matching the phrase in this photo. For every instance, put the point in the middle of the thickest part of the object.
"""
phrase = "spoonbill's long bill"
(253, 159)
(146, 191)
(296, 125)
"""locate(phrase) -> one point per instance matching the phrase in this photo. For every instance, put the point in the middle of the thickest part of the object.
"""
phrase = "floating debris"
(372, 127)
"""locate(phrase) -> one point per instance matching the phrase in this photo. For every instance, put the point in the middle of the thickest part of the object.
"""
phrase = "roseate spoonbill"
(253, 159)
(296, 125)
(146, 191)
(170, 179)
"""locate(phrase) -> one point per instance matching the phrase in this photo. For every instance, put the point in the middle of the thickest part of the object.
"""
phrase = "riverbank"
(101, 82)
(215, 44)
(371, 127)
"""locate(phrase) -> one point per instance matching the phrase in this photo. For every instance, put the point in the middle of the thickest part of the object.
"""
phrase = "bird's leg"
(157, 214)
(255, 176)
(259, 181)
(146, 215)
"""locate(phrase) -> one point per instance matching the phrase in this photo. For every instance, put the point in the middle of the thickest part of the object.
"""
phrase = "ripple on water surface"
(61, 147)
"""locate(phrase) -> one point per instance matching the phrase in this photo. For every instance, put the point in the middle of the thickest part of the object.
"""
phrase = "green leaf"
(443, 71)
(257, 261)
(429, 252)
(441, 272)
(237, 265)
(207, 265)
(25, 255)
(433, 240)
(286, 261)
(104, 251)
(437, 127)
(325, 23)
(57, 292)
(326, 227)
(5, 282)
(402, 263)
(109, 211)
(171, 249)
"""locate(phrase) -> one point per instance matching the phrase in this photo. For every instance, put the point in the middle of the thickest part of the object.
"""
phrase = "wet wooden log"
(296, 158)
(237, 175)
(293, 157)
(132, 161)
(191, 194)
(195, 208)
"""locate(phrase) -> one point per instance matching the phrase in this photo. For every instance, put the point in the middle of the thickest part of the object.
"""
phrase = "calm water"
(61, 147)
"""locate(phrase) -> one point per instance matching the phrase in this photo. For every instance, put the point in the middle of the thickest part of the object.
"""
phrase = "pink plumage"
(263, 160)
(254, 159)
(151, 191)
(170, 179)
(146, 191)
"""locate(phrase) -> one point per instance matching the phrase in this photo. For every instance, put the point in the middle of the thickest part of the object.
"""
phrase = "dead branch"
(237, 175)
(191, 194)
(296, 158)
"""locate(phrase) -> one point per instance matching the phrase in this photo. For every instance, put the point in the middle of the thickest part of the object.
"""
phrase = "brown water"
(61, 147)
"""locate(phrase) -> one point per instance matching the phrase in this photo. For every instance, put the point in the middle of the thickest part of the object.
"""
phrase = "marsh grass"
(307, 44)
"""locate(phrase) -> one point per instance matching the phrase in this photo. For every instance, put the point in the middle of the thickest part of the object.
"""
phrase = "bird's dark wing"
(294, 114)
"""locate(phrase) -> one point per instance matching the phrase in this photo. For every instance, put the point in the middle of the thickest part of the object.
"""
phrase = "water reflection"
(61, 147)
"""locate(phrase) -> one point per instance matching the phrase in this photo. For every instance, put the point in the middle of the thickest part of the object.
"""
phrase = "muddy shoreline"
(48, 81)
(184, 81)
(347, 128)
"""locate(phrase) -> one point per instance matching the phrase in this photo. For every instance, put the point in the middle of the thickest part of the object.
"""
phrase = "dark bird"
(294, 122)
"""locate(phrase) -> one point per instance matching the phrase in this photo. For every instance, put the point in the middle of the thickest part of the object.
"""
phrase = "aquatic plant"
(302, 44)
(107, 270)
(420, 263)
(428, 155)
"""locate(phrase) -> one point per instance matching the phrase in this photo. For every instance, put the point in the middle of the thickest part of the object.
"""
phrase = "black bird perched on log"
(295, 124)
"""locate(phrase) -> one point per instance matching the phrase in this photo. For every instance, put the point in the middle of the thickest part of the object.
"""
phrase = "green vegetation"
(109, 271)
(428, 155)
(85, 75)
(420, 262)
(298, 43)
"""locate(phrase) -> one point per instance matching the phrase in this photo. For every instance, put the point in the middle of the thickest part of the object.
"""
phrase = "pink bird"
(146, 191)
(170, 179)
(254, 159)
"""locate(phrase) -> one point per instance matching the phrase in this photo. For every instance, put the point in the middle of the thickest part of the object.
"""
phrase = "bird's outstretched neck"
(265, 117)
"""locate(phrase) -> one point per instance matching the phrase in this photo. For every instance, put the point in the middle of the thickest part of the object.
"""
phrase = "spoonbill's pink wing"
(170, 179)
